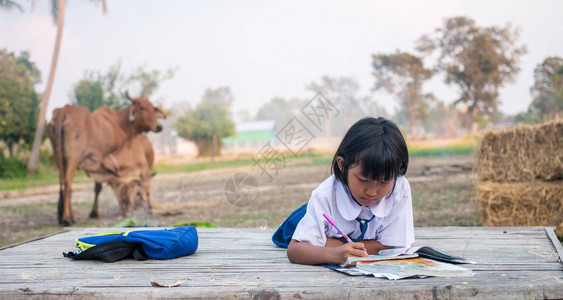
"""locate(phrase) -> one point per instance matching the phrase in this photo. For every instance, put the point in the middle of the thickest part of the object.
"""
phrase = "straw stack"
(520, 176)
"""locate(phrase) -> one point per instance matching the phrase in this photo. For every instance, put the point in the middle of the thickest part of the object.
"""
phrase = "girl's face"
(365, 191)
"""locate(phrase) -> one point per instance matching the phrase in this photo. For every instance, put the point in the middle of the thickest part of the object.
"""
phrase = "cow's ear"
(148, 178)
(132, 114)
(109, 166)
(159, 113)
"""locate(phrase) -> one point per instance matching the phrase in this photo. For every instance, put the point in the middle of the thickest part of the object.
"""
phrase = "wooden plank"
(555, 242)
(244, 263)
(34, 239)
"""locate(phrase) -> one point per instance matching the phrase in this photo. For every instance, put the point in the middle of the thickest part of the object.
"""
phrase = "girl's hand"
(341, 253)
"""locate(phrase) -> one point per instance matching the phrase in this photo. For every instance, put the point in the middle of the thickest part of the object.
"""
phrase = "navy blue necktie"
(363, 228)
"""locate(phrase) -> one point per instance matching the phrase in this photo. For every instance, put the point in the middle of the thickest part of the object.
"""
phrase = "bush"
(12, 167)
(46, 158)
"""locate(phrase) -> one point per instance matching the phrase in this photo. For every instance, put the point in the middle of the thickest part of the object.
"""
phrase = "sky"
(264, 49)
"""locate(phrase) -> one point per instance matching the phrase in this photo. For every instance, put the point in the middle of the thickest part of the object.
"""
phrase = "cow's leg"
(97, 190)
(68, 217)
(126, 207)
(60, 206)
(120, 191)
(130, 208)
(150, 202)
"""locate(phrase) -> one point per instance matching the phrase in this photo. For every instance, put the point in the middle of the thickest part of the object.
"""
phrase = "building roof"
(255, 126)
(252, 131)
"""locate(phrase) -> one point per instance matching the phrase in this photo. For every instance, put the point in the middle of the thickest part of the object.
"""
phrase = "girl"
(367, 196)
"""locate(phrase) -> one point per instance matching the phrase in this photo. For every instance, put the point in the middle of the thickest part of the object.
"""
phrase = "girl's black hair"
(378, 145)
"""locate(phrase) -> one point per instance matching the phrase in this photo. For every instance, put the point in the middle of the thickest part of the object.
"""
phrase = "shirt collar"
(350, 209)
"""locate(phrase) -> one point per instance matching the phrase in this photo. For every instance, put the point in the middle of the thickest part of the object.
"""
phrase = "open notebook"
(351, 261)
(427, 252)
(412, 267)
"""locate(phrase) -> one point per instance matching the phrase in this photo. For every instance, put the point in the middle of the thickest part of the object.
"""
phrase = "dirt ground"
(442, 196)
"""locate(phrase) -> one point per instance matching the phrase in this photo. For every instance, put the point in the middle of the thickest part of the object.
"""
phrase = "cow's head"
(144, 115)
(132, 192)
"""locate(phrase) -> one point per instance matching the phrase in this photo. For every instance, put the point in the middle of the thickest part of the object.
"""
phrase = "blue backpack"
(140, 245)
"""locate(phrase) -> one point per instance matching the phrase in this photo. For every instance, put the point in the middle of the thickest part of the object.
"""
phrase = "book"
(412, 267)
(351, 261)
(427, 252)
(347, 270)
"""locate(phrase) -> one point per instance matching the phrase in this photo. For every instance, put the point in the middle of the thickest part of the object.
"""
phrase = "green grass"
(208, 165)
(51, 178)
(442, 151)
(200, 166)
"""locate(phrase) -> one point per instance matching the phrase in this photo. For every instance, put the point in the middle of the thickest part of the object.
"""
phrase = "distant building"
(168, 146)
(250, 136)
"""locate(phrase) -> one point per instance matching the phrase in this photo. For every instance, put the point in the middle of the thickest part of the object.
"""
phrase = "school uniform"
(389, 221)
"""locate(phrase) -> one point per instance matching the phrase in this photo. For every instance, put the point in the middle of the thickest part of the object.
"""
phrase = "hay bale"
(536, 203)
(521, 154)
(559, 231)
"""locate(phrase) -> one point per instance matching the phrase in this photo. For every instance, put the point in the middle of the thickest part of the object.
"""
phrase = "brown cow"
(79, 137)
(128, 171)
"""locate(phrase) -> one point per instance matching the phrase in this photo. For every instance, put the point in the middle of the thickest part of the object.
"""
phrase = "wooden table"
(517, 262)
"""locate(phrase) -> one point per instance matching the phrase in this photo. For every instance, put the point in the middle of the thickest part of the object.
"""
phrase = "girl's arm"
(372, 246)
(305, 253)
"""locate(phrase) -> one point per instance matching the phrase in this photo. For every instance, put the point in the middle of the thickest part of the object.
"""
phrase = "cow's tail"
(58, 146)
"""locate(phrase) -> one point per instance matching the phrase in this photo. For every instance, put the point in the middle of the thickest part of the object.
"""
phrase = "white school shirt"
(392, 225)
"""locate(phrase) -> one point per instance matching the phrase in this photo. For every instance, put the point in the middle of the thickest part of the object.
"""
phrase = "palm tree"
(10, 4)
(58, 16)
(57, 11)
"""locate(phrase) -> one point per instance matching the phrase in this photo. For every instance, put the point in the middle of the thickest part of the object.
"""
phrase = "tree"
(146, 82)
(280, 110)
(97, 89)
(531, 116)
(88, 92)
(18, 99)
(221, 95)
(478, 60)
(547, 91)
(442, 120)
(403, 75)
(343, 93)
(57, 11)
(206, 125)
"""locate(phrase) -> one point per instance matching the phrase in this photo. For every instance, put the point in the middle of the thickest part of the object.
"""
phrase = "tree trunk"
(474, 125)
(465, 107)
(33, 163)
(214, 147)
(11, 149)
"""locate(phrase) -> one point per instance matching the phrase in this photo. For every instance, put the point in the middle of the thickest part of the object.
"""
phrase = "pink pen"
(333, 224)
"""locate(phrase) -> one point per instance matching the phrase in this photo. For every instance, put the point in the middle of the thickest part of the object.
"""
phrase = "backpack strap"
(107, 252)
(139, 254)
